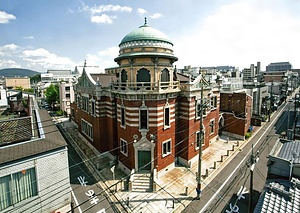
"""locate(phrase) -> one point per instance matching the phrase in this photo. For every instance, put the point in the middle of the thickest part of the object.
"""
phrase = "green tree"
(52, 94)
(35, 79)
(19, 88)
(29, 90)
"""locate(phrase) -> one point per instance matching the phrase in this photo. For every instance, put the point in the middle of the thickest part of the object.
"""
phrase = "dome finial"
(145, 21)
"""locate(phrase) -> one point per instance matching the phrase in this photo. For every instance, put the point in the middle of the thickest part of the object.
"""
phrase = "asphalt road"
(229, 190)
(87, 195)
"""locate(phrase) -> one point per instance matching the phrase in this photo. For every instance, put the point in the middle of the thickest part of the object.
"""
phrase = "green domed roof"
(145, 32)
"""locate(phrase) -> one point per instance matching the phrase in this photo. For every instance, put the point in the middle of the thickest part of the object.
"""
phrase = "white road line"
(221, 187)
(76, 201)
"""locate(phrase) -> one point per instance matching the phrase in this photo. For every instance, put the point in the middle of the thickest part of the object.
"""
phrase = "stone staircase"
(142, 182)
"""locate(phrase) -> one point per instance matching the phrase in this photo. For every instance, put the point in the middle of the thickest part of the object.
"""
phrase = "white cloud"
(104, 58)
(240, 34)
(103, 19)
(28, 37)
(42, 59)
(9, 47)
(9, 50)
(8, 64)
(112, 52)
(110, 7)
(141, 11)
(5, 17)
(156, 15)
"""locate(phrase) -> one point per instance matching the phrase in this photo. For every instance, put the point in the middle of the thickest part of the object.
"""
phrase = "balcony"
(146, 87)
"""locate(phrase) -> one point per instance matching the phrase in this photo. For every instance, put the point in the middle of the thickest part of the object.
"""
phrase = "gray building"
(279, 66)
(282, 190)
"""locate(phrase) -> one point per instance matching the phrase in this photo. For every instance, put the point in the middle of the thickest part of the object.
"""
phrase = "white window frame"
(196, 139)
(87, 129)
(213, 102)
(124, 147)
(169, 148)
(166, 126)
(204, 109)
(212, 126)
(122, 116)
(197, 111)
(93, 107)
(13, 188)
(140, 119)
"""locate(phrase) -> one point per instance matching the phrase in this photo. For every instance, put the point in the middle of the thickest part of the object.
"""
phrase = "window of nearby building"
(212, 126)
(123, 118)
(68, 95)
(166, 117)
(87, 129)
(198, 109)
(67, 88)
(166, 148)
(198, 139)
(213, 102)
(93, 107)
(85, 103)
(17, 187)
(124, 147)
(79, 102)
(143, 118)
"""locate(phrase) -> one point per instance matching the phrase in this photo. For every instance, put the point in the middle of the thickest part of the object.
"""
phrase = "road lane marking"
(76, 201)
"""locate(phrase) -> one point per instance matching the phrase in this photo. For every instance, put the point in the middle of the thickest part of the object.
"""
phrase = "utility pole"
(198, 189)
(253, 160)
(271, 107)
(288, 123)
(296, 101)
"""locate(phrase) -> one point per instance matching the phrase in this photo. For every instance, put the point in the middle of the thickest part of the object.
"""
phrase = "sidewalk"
(174, 191)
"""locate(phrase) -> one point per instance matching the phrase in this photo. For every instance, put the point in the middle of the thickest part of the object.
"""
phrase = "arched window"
(165, 75)
(165, 78)
(123, 76)
(123, 79)
(143, 75)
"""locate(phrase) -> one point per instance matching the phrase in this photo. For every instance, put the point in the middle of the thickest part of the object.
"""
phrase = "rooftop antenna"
(294, 156)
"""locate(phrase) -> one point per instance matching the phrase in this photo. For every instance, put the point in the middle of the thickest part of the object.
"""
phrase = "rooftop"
(145, 32)
(280, 196)
(50, 140)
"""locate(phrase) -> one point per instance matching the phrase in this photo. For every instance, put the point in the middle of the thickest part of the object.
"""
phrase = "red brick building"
(143, 112)
(236, 108)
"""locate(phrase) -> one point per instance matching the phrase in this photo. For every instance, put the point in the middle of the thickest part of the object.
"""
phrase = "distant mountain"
(12, 72)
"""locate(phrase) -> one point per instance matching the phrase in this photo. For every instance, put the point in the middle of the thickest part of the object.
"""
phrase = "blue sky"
(60, 34)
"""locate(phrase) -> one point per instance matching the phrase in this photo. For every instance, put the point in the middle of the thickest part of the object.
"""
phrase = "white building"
(66, 96)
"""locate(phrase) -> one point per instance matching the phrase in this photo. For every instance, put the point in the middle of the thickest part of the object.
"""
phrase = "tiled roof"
(287, 150)
(53, 140)
(280, 196)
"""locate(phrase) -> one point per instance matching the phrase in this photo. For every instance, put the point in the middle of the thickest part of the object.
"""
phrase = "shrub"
(59, 113)
(248, 135)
